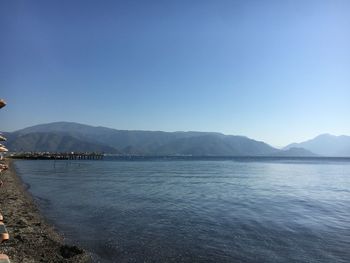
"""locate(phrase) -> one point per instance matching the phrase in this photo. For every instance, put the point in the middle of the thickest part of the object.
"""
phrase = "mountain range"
(326, 145)
(68, 136)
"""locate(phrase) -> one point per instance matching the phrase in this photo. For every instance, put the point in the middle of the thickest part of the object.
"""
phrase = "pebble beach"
(32, 239)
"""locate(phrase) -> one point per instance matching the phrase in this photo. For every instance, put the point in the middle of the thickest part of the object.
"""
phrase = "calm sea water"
(239, 210)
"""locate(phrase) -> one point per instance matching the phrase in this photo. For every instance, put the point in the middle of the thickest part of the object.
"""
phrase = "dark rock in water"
(70, 251)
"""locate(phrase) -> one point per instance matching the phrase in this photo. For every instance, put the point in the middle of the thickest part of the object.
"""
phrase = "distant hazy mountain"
(146, 142)
(295, 152)
(66, 136)
(53, 142)
(326, 145)
(216, 144)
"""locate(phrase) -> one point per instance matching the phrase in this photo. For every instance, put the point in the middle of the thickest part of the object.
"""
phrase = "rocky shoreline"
(32, 239)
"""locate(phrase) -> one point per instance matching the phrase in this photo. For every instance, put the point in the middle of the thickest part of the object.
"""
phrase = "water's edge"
(25, 221)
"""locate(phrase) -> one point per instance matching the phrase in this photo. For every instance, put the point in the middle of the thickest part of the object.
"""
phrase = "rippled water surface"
(198, 210)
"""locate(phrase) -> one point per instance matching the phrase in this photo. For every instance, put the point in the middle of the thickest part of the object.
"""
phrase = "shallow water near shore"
(230, 210)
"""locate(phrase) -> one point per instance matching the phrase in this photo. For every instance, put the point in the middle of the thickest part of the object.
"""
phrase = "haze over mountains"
(326, 145)
(67, 137)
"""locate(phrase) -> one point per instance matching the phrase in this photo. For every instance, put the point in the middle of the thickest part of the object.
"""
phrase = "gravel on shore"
(32, 239)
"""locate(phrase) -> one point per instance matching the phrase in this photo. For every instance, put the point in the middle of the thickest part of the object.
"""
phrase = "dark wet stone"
(70, 251)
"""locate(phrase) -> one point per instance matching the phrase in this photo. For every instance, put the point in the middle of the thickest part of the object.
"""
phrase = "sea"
(250, 210)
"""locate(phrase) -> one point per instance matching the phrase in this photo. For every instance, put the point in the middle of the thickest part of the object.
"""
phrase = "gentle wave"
(198, 210)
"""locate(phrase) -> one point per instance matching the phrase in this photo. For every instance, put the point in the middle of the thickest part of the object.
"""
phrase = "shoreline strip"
(32, 238)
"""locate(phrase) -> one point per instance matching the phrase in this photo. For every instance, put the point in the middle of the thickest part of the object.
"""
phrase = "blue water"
(233, 210)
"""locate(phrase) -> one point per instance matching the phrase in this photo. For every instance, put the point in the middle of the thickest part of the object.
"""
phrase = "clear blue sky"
(277, 71)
